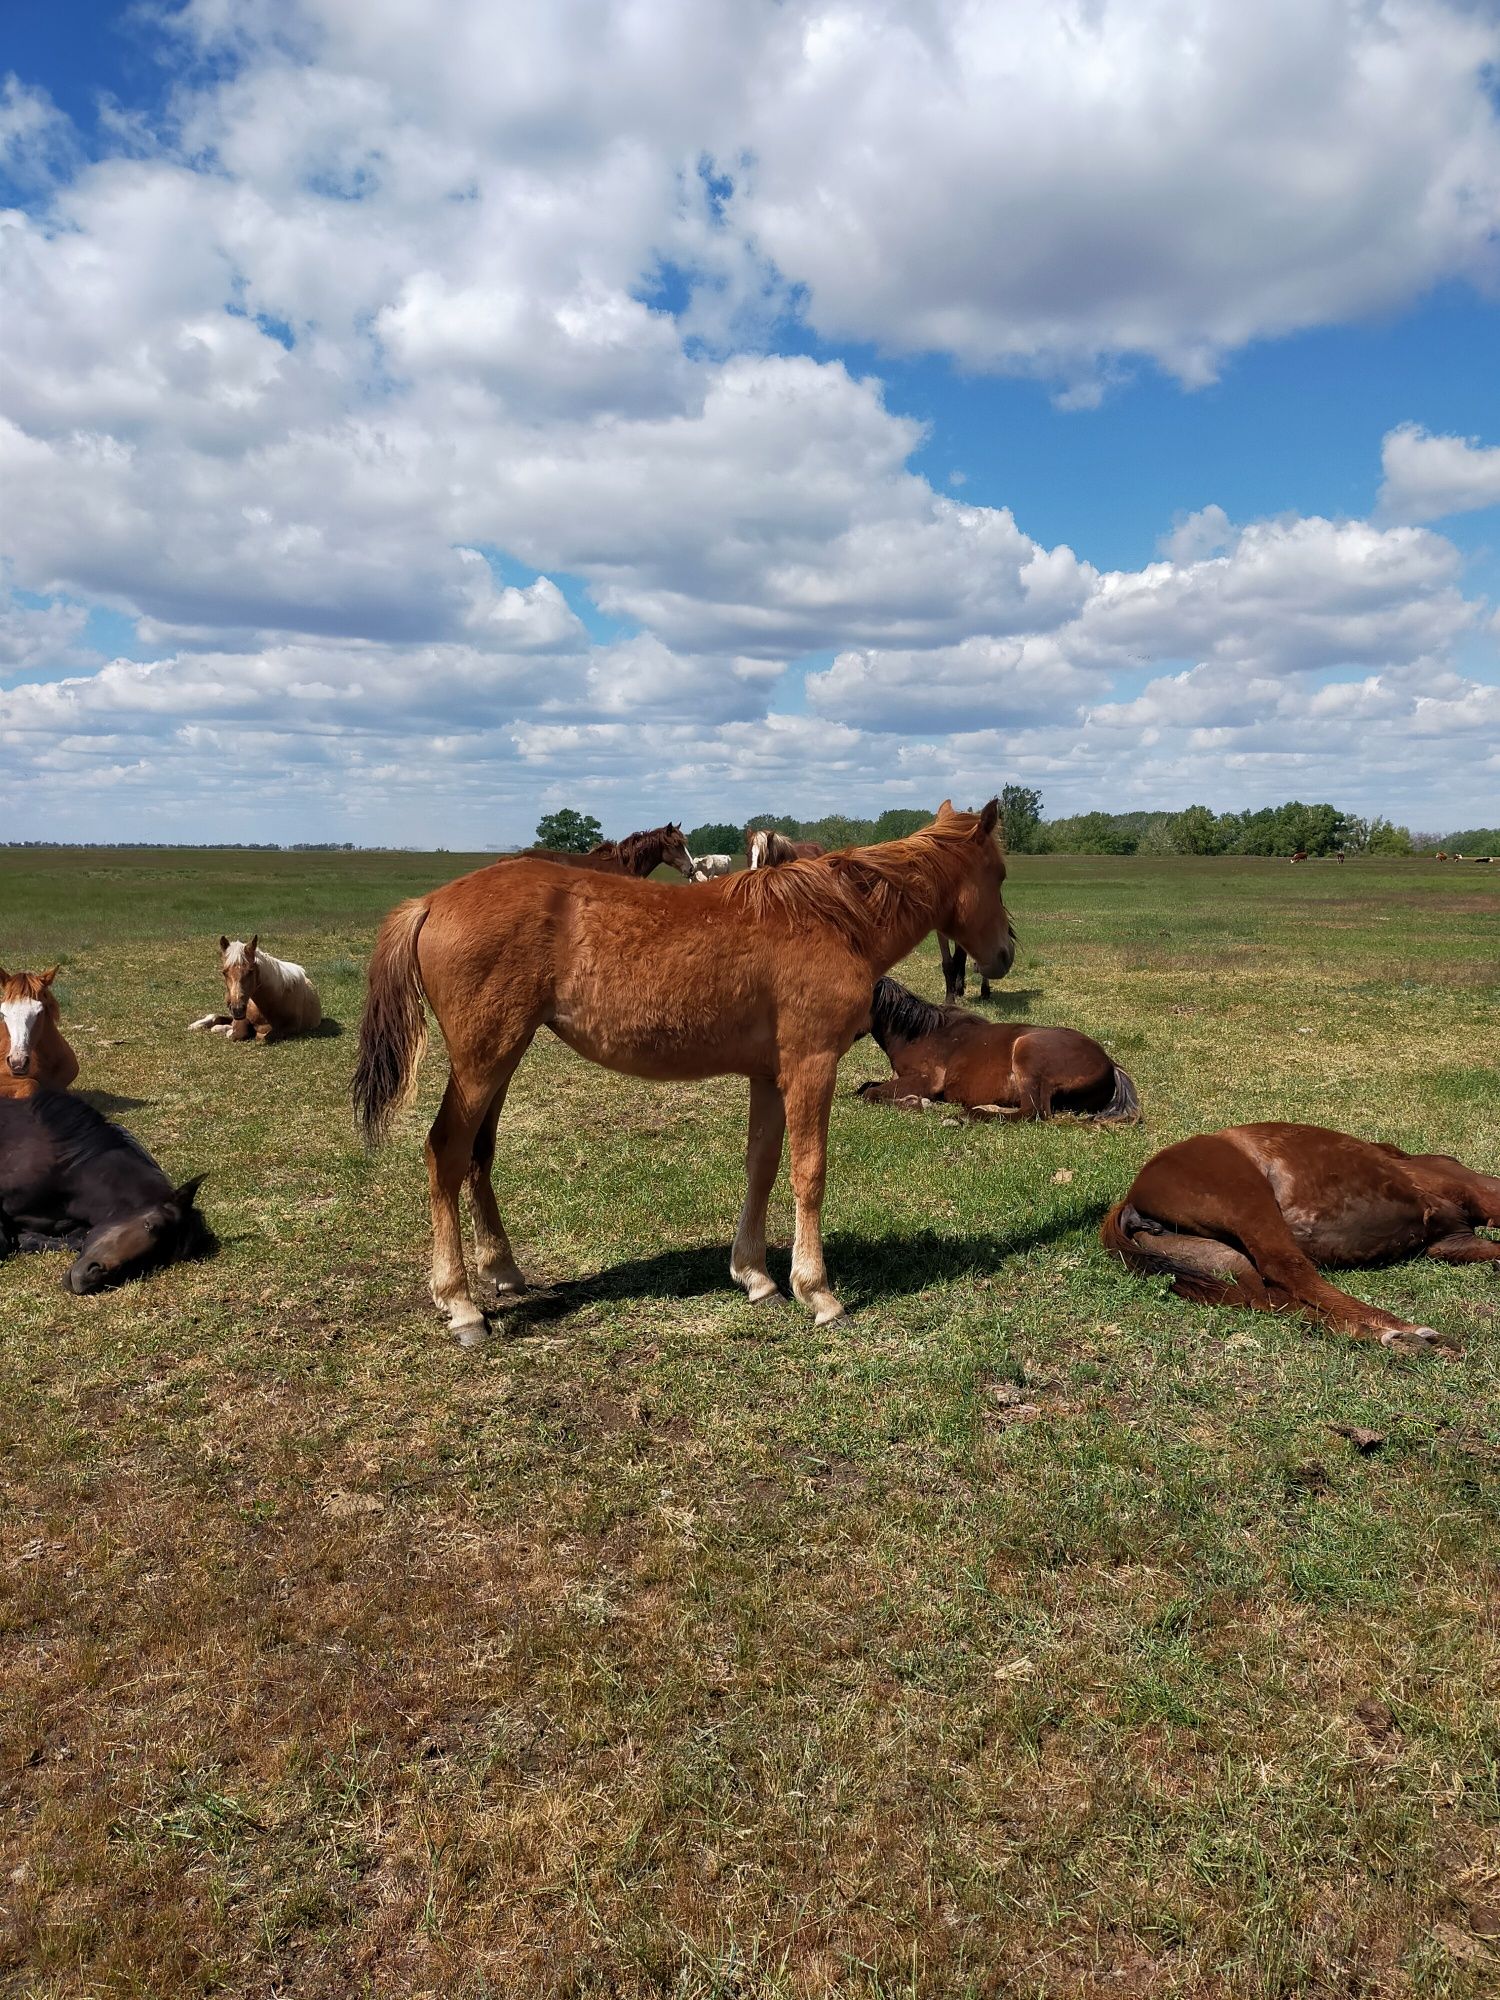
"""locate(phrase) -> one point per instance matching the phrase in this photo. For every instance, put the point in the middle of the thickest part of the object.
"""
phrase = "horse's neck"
(923, 905)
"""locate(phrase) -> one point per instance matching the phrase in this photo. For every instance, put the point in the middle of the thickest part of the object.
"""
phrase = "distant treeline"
(1293, 828)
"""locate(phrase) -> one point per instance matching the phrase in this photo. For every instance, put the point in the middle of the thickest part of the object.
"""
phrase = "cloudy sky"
(417, 414)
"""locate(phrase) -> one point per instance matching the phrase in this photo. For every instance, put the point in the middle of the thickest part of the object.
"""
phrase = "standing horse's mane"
(860, 891)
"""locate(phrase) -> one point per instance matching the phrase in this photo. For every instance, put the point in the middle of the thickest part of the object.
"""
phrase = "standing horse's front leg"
(747, 1260)
(807, 1093)
(497, 1275)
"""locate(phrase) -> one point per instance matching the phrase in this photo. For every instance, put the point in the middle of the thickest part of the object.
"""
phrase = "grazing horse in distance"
(70, 1180)
(766, 848)
(265, 996)
(637, 854)
(954, 1057)
(1300, 855)
(37, 1054)
(1245, 1216)
(709, 867)
(765, 974)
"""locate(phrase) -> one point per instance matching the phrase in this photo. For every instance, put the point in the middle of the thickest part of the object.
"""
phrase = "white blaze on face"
(20, 1017)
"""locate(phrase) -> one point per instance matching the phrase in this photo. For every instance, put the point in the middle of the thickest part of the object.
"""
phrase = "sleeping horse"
(70, 1180)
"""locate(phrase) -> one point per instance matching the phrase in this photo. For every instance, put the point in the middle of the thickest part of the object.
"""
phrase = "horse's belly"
(662, 1053)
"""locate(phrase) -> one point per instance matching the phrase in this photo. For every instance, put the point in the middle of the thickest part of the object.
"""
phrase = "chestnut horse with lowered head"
(637, 854)
(37, 1054)
(766, 974)
(1244, 1217)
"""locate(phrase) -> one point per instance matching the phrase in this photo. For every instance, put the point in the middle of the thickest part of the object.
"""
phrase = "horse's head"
(674, 851)
(159, 1234)
(26, 1000)
(241, 970)
(979, 920)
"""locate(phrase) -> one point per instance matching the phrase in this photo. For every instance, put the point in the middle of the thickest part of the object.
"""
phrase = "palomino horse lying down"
(265, 996)
(37, 1055)
(1245, 1216)
(765, 975)
(69, 1180)
(954, 1057)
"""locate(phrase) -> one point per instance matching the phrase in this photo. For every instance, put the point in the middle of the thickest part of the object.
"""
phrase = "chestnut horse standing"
(637, 854)
(1244, 1217)
(766, 974)
(955, 1057)
(37, 1054)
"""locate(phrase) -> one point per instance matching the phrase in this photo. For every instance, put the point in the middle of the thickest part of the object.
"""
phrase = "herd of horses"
(769, 971)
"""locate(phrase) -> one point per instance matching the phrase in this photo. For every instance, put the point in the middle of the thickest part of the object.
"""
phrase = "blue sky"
(708, 408)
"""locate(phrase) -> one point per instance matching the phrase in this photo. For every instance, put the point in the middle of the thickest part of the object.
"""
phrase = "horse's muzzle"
(238, 1013)
(1003, 960)
(18, 1068)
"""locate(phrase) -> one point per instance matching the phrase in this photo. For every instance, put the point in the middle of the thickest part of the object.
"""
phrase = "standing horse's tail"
(1125, 1105)
(393, 1032)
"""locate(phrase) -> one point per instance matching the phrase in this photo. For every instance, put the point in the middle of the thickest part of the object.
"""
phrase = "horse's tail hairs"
(1199, 1269)
(1125, 1105)
(393, 1032)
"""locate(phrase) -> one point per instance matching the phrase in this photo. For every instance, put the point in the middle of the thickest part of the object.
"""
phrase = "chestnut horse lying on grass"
(955, 1057)
(637, 854)
(265, 996)
(69, 1180)
(37, 1054)
(1244, 1217)
(766, 974)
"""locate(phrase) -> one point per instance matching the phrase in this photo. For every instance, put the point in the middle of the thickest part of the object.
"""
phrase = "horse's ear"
(250, 948)
(183, 1197)
(48, 976)
(223, 944)
(989, 818)
(945, 810)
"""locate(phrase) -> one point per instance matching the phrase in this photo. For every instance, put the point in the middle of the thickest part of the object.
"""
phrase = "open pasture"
(1029, 1633)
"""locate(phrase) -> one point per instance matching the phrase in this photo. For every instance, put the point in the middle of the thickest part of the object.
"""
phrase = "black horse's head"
(163, 1233)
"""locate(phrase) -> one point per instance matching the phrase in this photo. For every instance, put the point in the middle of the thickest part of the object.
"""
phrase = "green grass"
(1030, 1633)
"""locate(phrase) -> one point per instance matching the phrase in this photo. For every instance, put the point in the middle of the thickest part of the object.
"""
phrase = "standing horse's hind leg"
(807, 1093)
(747, 1260)
(450, 1154)
(496, 1273)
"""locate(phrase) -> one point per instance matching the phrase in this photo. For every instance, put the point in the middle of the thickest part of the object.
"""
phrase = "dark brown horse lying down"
(955, 1057)
(69, 1180)
(1245, 1216)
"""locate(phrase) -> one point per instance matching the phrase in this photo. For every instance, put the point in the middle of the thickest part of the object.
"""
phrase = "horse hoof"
(1421, 1337)
(472, 1333)
(761, 1290)
(828, 1312)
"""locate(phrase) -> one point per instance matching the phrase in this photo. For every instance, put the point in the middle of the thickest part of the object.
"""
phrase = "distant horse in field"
(765, 974)
(37, 1055)
(956, 971)
(954, 1057)
(766, 848)
(70, 1180)
(265, 996)
(637, 854)
(1300, 855)
(709, 867)
(1245, 1216)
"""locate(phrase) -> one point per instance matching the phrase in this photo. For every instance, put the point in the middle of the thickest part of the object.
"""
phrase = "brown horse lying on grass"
(1244, 1217)
(265, 996)
(954, 1057)
(765, 974)
(37, 1054)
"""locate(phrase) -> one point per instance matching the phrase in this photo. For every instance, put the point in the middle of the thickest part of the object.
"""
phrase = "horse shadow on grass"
(865, 1269)
(111, 1105)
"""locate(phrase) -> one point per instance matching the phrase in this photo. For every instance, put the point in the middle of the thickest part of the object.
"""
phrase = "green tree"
(1196, 830)
(1020, 817)
(896, 822)
(568, 832)
(1382, 837)
(715, 836)
(1090, 833)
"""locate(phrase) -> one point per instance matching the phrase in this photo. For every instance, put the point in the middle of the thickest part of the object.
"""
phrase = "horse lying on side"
(69, 1180)
(37, 1054)
(954, 1057)
(710, 867)
(766, 848)
(1244, 1217)
(265, 996)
